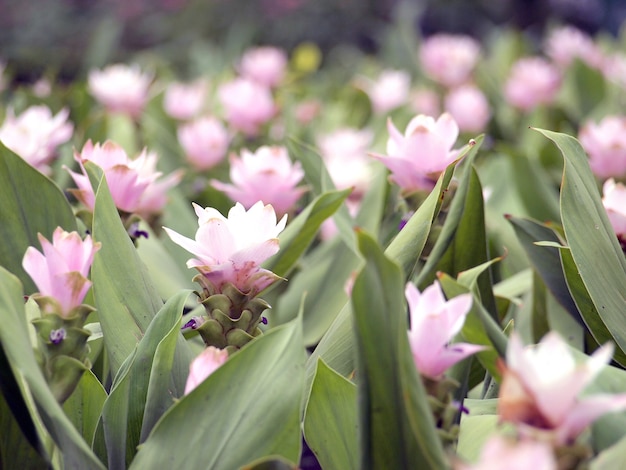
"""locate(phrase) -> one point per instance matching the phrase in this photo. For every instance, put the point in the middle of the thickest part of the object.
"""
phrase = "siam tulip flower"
(425, 101)
(205, 142)
(120, 88)
(134, 184)
(614, 201)
(265, 65)
(469, 108)
(532, 81)
(567, 43)
(522, 455)
(541, 384)
(307, 111)
(231, 250)
(248, 105)
(434, 324)
(605, 143)
(204, 365)
(184, 101)
(614, 69)
(42, 88)
(449, 59)
(418, 157)
(61, 271)
(267, 175)
(389, 91)
(35, 134)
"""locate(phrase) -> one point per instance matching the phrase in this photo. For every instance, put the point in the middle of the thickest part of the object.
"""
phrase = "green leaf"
(31, 204)
(592, 241)
(15, 341)
(477, 425)
(84, 406)
(397, 428)
(125, 296)
(330, 420)
(610, 458)
(247, 409)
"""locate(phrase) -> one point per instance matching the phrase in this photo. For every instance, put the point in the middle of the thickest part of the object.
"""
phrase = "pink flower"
(389, 91)
(248, 105)
(205, 142)
(35, 134)
(522, 455)
(449, 59)
(61, 271)
(567, 43)
(606, 145)
(469, 108)
(134, 184)
(418, 157)
(120, 88)
(434, 323)
(425, 101)
(266, 175)
(614, 69)
(307, 111)
(231, 250)
(184, 101)
(265, 65)
(204, 365)
(532, 81)
(614, 201)
(540, 386)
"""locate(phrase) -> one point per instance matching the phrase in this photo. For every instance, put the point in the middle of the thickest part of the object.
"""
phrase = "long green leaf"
(397, 428)
(246, 410)
(85, 405)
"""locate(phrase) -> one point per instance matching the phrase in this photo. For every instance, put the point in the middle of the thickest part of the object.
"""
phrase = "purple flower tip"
(264, 320)
(56, 336)
(194, 323)
(134, 231)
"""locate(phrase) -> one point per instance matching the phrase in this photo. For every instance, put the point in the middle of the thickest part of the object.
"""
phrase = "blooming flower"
(469, 108)
(449, 59)
(205, 142)
(532, 81)
(184, 101)
(267, 175)
(614, 201)
(204, 365)
(425, 149)
(521, 455)
(134, 184)
(540, 386)
(389, 91)
(61, 270)
(120, 88)
(265, 65)
(434, 323)
(232, 249)
(248, 105)
(567, 43)
(35, 134)
(605, 143)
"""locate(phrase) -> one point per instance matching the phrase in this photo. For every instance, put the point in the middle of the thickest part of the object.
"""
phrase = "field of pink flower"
(291, 259)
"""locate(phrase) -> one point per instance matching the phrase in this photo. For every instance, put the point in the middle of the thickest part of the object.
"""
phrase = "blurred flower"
(266, 175)
(614, 201)
(469, 108)
(35, 134)
(449, 59)
(567, 43)
(184, 100)
(205, 142)
(425, 101)
(540, 386)
(248, 105)
(133, 183)
(204, 365)
(614, 69)
(120, 88)
(265, 65)
(61, 271)
(606, 145)
(422, 153)
(307, 111)
(42, 88)
(389, 91)
(434, 323)
(532, 81)
(231, 250)
(522, 455)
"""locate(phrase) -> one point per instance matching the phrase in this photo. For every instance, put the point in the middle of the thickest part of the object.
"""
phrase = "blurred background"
(68, 37)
